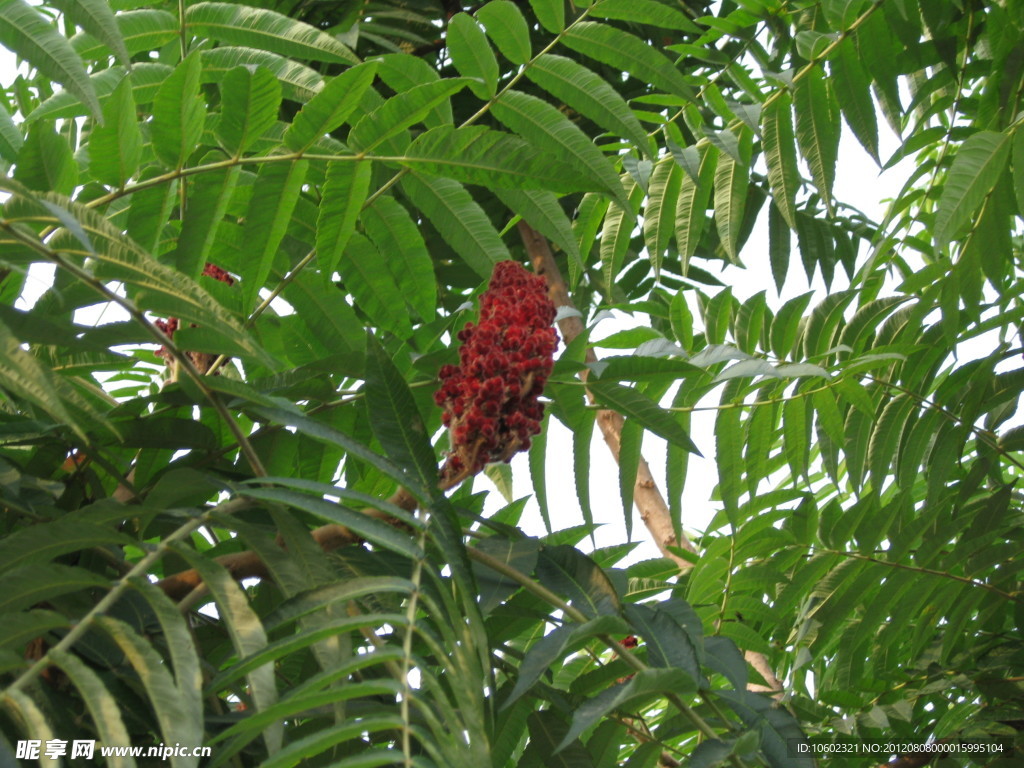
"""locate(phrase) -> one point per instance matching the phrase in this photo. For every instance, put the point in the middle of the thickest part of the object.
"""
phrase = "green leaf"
(630, 402)
(24, 710)
(589, 94)
(728, 456)
(546, 729)
(23, 374)
(401, 111)
(208, 199)
(367, 278)
(1018, 163)
(266, 30)
(168, 432)
(245, 630)
(796, 434)
(19, 628)
(97, 18)
(323, 741)
(542, 211)
(160, 288)
(978, 164)
(507, 27)
(628, 53)
(780, 155)
(479, 155)
(392, 230)
(174, 712)
(250, 100)
(567, 571)
(731, 183)
(342, 198)
(298, 82)
(459, 219)
(394, 416)
(692, 205)
(668, 640)
(500, 474)
(648, 12)
(645, 685)
(400, 72)
(43, 542)
(630, 443)
(550, 13)
(138, 30)
(589, 217)
(182, 650)
(275, 193)
(545, 126)
(328, 318)
(146, 79)
(817, 130)
(853, 92)
(616, 234)
(301, 703)
(102, 706)
(45, 161)
(36, 582)
(10, 136)
(819, 332)
(330, 107)
(659, 213)
(582, 439)
(887, 437)
(538, 470)
(786, 327)
(115, 148)
(149, 212)
(857, 429)
(371, 528)
(829, 416)
(472, 54)
(558, 643)
(179, 113)
(26, 32)
(779, 245)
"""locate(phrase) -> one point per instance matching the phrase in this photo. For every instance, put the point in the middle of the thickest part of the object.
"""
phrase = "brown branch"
(647, 497)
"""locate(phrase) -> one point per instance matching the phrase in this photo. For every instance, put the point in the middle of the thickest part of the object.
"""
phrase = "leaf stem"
(1017, 598)
(982, 434)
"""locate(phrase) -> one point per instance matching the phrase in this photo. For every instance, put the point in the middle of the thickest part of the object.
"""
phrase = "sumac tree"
(238, 244)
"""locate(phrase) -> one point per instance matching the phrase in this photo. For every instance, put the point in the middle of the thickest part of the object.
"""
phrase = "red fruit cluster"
(212, 270)
(490, 399)
(171, 324)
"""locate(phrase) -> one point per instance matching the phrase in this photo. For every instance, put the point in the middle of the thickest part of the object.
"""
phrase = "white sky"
(858, 183)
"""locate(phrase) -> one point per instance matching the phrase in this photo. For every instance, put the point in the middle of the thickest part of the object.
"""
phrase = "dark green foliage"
(357, 169)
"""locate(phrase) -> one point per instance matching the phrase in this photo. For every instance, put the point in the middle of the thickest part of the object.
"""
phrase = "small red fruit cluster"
(490, 399)
(171, 324)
